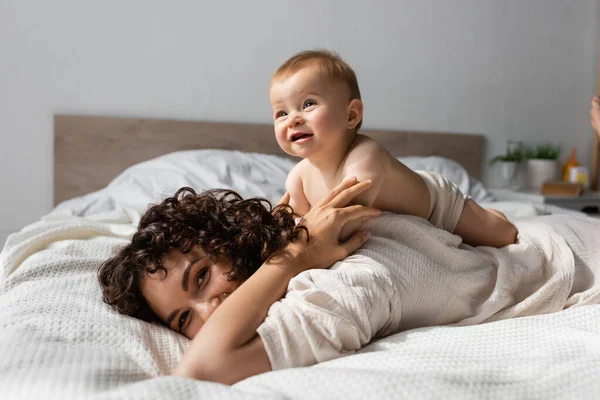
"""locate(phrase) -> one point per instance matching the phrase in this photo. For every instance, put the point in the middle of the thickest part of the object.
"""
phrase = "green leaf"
(511, 155)
(545, 151)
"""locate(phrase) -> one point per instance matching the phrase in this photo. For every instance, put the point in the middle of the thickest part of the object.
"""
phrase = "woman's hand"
(324, 221)
(595, 114)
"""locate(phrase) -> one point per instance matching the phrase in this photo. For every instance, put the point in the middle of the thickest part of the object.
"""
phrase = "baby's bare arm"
(294, 187)
(365, 162)
(482, 227)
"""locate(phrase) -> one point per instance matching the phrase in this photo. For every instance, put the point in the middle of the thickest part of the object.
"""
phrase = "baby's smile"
(301, 137)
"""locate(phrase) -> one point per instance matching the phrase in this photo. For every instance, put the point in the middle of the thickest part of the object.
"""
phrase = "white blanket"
(59, 341)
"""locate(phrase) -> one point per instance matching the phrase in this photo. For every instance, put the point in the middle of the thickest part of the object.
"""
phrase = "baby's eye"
(309, 103)
(280, 114)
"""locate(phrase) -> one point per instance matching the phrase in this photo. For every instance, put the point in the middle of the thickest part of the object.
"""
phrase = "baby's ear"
(355, 113)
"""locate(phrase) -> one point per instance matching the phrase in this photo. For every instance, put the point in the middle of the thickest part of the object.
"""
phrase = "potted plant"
(509, 163)
(542, 164)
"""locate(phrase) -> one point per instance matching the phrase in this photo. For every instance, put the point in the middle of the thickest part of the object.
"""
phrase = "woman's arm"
(595, 121)
(595, 114)
(227, 348)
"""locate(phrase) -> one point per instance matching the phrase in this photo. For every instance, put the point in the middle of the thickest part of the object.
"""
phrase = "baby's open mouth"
(300, 136)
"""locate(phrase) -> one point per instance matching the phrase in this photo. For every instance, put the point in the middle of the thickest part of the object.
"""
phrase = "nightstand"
(589, 202)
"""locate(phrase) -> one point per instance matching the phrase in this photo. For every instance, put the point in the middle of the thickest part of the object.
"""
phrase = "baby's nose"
(295, 120)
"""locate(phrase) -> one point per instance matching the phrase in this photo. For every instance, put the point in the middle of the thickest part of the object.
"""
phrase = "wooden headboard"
(90, 151)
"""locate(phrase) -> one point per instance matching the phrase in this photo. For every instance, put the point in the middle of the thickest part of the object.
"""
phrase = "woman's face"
(192, 289)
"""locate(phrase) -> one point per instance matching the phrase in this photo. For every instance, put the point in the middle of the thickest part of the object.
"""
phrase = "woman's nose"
(205, 308)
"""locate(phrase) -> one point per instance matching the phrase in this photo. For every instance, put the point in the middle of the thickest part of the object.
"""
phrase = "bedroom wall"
(506, 69)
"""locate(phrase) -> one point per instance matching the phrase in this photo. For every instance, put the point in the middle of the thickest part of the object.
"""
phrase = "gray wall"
(507, 69)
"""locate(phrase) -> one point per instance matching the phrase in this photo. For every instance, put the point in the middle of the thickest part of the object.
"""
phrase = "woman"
(192, 252)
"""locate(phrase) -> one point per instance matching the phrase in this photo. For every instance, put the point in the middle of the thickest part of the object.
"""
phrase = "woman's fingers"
(357, 211)
(346, 195)
(346, 183)
(355, 242)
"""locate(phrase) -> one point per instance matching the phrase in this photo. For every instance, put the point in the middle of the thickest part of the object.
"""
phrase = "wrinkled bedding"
(59, 341)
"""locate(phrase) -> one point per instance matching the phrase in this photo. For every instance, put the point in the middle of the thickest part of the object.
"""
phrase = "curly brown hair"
(227, 227)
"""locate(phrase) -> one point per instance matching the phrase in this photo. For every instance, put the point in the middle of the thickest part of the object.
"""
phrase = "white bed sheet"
(58, 340)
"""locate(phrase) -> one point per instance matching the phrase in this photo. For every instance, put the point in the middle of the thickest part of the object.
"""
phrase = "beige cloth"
(411, 274)
(447, 201)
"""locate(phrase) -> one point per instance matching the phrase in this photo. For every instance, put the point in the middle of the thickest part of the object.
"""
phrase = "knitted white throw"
(59, 341)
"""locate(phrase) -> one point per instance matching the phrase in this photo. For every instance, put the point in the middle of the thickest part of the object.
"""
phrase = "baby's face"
(310, 113)
(191, 291)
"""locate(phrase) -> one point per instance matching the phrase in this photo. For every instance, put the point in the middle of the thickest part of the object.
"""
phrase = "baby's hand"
(595, 114)
(285, 199)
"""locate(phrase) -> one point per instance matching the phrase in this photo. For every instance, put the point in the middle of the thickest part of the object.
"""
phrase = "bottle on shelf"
(571, 163)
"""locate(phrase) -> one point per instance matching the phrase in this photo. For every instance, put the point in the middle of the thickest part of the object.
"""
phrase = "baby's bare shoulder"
(365, 143)
(366, 150)
(299, 174)
(298, 170)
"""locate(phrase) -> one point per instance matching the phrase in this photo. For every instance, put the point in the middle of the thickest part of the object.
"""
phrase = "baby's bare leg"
(484, 227)
(496, 212)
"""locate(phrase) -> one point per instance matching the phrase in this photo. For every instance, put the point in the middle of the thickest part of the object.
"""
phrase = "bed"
(58, 340)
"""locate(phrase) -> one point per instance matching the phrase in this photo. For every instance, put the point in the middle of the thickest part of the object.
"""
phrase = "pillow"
(452, 171)
(249, 174)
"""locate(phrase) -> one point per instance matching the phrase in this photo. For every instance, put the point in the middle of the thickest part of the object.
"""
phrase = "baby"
(317, 112)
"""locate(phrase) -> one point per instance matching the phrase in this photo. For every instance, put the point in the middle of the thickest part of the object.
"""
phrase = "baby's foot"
(595, 114)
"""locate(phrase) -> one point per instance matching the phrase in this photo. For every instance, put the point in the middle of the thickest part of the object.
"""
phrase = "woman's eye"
(309, 103)
(182, 319)
(201, 276)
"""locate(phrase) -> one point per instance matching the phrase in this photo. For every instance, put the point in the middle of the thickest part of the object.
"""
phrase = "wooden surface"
(90, 151)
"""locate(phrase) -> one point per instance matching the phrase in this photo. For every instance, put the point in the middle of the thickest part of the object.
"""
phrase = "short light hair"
(330, 63)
